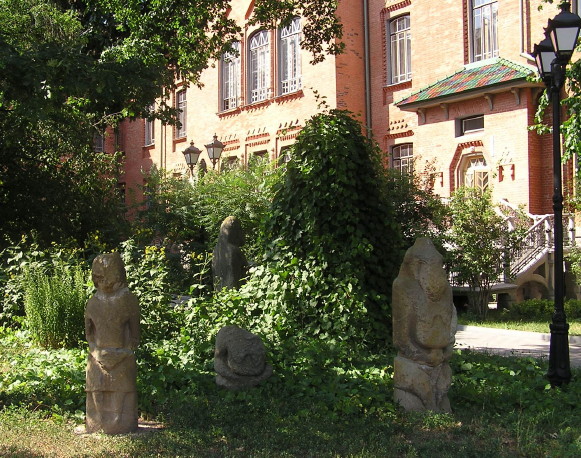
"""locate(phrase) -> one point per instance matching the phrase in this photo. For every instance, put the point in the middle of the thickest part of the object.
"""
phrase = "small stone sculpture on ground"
(424, 328)
(229, 263)
(239, 359)
(112, 330)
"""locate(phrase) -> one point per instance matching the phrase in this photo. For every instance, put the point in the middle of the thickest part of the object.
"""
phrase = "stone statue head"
(231, 231)
(425, 264)
(109, 272)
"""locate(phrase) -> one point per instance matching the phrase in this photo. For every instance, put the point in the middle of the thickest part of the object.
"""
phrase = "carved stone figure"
(424, 328)
(239, 359)
(229, 263)
(112, 330)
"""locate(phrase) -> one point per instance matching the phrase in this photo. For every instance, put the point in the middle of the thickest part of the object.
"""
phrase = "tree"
(68, 68)
(481, 242)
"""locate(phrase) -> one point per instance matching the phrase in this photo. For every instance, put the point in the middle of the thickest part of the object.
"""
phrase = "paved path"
(517, 343)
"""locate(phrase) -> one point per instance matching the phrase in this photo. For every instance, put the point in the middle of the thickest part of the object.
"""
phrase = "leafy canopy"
(68, 68)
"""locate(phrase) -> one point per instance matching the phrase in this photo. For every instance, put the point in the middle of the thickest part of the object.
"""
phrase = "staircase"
(536, 249)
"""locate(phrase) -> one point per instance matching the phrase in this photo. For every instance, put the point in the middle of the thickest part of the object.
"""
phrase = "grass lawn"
(495, 319)
(502, 407)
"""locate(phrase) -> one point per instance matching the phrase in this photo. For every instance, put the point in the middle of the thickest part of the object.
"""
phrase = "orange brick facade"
(518, 160)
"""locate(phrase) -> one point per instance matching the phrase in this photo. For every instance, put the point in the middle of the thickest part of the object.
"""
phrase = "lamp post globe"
(191, 155)
(215, 149)
(563, 30)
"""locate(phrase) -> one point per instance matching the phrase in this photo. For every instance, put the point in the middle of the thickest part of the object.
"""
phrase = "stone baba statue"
(424, 328)
(229, 263)
(112, 330)
(239, 359)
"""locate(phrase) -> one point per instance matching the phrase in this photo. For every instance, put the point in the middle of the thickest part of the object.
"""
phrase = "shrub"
(573, 309)
(331, 212)
(54, 304)
(534, 309)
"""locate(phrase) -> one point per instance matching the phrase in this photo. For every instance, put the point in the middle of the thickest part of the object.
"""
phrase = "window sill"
(257, 105)
(289, 96)
(398, 86)
(229, 112)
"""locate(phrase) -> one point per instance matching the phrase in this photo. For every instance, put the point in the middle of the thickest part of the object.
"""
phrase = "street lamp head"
(191, 155)
(544, 55)
(215, 149)
(563, 30)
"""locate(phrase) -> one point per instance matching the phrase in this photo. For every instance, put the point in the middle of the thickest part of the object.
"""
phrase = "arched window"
(290, 57)
(231, 78)
(475, 172)
(259, 66)
(400, 50)
(403, 158)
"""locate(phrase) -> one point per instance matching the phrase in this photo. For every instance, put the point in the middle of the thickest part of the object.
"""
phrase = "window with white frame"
(403, 158)
(290, 57)
(484, 25)
(400, 50)
(475, 173)
(149, 130)
(181, 105)
(231, 78)
(259, 66)
(99, 142)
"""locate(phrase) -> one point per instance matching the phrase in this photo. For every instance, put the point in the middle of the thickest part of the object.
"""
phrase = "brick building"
(442, 86)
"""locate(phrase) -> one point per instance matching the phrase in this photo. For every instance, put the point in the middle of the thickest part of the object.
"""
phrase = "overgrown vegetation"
(326, 234)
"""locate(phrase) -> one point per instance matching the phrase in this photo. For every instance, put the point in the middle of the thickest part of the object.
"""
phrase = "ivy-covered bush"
(331, 217)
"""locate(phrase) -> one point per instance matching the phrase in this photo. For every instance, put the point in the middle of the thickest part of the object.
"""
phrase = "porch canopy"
(479, 79)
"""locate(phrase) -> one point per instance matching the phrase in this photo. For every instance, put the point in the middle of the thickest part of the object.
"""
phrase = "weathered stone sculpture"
(229, 263)
(424, 328)
(239, 359)
(112, 329)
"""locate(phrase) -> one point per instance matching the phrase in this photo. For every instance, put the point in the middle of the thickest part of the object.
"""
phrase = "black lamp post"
(215, 149)
(191, 155)
(552, 55)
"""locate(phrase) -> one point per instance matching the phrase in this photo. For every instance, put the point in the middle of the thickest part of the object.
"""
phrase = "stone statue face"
(432, 278)
(108, 272)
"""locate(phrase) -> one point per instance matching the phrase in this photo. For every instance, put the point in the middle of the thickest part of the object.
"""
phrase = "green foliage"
(481, 241)
(331, 211)
(54, 303)
(189, 213)
(41, 379)
(532, 309)
(419, 212)
(70, 69)
(16, 260)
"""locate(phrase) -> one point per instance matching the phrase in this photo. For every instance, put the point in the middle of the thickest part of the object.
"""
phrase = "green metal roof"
(470, 79)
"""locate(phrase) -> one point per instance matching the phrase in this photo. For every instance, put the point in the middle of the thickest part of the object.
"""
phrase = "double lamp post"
(192, 154)
(552, 56)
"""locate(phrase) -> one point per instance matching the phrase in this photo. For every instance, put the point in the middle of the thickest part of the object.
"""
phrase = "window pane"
(290, 69)
(403, 158)
(181, 106)
(400, 50)
(259, 67)
(231, 78)
(484, 29)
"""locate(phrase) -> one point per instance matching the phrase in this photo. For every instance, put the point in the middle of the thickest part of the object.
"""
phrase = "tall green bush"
(55, 304)
(331, 211)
